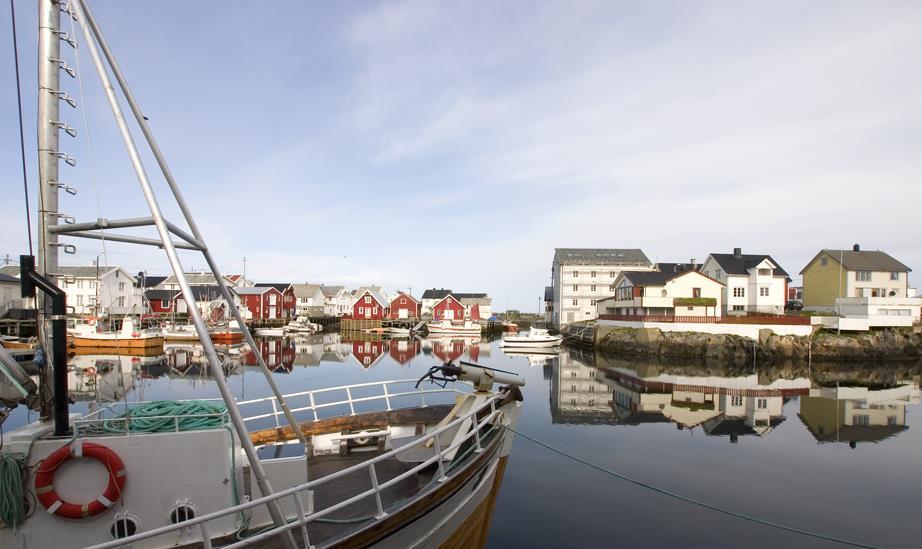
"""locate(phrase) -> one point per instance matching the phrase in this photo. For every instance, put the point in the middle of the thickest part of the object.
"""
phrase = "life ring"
(44, 480)
(90, 371)
(91, 321)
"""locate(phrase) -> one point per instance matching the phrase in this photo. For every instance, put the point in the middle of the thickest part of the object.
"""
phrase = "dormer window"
(765, 272)
(367, 299)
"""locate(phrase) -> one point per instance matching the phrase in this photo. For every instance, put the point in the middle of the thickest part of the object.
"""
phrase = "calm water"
(832, 450)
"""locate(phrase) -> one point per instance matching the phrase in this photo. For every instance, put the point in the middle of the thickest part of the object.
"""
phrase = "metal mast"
(49, 85)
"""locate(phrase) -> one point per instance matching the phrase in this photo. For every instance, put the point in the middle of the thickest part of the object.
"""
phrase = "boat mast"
(49, 96)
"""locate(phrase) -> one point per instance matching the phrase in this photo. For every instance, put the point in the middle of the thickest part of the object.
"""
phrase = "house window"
(367, 299)
(696, 292)
(592, 302)
(361, 310)
(592, 274)
(575, 274)
(164, 304)
(611, 288)
(894, 276)
(863, 276)
(572, 374)
(576, 302)
(737, 307)
(121, 286)
(824, 261)
(739, 292)
(403, 300)
(765, 272)
(691, 308)
(121, 301)
(761, 403)
(891, 420)
(79, 299)
(592, 288)
(573, 388)
(861, 420)
(763, 291)
(374, 311)
(736, 400)
(575, 287)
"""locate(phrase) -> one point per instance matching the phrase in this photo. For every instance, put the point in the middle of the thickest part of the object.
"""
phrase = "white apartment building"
(753, 283)
(99, 291)
(582, 276)
(337, 300)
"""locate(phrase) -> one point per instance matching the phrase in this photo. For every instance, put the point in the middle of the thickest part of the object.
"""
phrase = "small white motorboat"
(536, 337)
(453, 327)
(302, 325)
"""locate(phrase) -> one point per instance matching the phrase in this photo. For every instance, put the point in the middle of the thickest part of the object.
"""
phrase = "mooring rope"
(693, 501)
(12, 496)
(162, 416)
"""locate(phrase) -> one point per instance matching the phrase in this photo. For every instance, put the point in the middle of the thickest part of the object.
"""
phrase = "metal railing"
(313, 404)
(488, 410)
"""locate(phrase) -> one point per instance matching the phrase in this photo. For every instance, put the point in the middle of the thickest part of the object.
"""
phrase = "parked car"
(793, 305)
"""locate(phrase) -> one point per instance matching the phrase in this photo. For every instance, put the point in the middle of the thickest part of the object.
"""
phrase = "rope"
(12, 497)
(162, 416)
(693, 501)
(22, 138)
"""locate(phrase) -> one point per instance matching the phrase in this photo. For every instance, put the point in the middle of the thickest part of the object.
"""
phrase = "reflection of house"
(579, 394)
(449, 349)
(548, 303)
(753, 282)
(279, 354)
(857, 414)
(673, 289)
(368, 352)
(404, 350)
(404, 305)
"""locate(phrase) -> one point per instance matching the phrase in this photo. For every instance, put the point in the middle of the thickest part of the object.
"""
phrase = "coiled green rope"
(12, 498)
(162, 416)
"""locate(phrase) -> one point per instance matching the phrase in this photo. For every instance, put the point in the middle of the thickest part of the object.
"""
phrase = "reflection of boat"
(536, 337)
(509, 326)
(536, 357)
(302, 325)
(88, 336)
(453, 327)
(101, 377)
(269, 332)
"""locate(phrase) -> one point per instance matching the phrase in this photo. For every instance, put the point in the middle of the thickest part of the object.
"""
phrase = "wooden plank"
(429, 414)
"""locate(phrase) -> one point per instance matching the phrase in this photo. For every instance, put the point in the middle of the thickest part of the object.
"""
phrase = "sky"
(416, 144)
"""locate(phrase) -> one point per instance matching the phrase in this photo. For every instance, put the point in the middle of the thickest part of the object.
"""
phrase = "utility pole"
(244, 270)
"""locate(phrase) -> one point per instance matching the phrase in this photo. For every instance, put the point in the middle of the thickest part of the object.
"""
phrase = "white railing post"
(301, 518)
(206, 538)
(374, 484)
(387, 397)
(351, 405)
(438, 455)
(313, 405)
(275, 413)
(422, 397)
(477, 435)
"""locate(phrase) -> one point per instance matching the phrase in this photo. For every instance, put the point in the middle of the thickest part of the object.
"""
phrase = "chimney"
(693, 263)
(737, 252)
(856, 248)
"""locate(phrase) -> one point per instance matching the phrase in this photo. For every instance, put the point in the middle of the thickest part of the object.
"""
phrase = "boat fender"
(362, 440)
(91, 321)
(44, 480)
(135, 334)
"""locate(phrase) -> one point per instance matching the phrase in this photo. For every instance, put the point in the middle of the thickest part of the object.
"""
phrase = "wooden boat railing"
(480, 416)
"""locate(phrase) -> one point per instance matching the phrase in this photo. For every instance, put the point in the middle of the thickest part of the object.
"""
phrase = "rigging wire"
(22, 138)
(693, 501)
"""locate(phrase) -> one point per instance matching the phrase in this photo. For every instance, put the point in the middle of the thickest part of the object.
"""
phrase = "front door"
(271, 311)
(403, 313)
(449, 314)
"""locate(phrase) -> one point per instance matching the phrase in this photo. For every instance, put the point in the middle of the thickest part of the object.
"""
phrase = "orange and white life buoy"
(44, 480)
(91, 321)
(90, 371)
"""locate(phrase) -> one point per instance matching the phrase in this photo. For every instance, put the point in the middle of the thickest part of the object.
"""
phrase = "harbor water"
(834, 450)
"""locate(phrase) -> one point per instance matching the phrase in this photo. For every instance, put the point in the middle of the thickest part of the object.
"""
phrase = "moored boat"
(536, 337)
(269, 332)
(180, 332)
(453, 327)
(88, 335)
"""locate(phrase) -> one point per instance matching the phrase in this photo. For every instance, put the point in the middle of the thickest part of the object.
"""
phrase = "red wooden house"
(160, 301)
(370, 305)
(448, 308)
(289, 301)
(262, 302)
(405, 306)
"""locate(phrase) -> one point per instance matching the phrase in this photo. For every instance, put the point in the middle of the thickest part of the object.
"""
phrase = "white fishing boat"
(453, 327)
(410, 464)
(302, 325)
(535, 338)
(179, 332)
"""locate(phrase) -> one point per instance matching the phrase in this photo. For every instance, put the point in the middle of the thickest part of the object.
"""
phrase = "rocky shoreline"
(876, 346)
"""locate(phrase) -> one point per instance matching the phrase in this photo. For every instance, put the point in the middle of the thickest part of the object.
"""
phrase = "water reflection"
(722, 402)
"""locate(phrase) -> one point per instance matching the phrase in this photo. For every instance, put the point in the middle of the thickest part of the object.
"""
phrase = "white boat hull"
(526, 343)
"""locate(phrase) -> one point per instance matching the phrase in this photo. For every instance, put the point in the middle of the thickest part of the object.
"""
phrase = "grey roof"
(252, 290)
(79, 271)
(11, 270)
(306, 290)
(330, 291)
(725, 426)
(151, 281)
(433, 293)
(865, 260)
(470, 296)
(649, 278)
(381, 298)
(160, 295)
(8, 278)
(198, 279)
(601, 256)
(206, 293)
(474, 300)
(280, 286)
(548, 293)
(739, 265)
